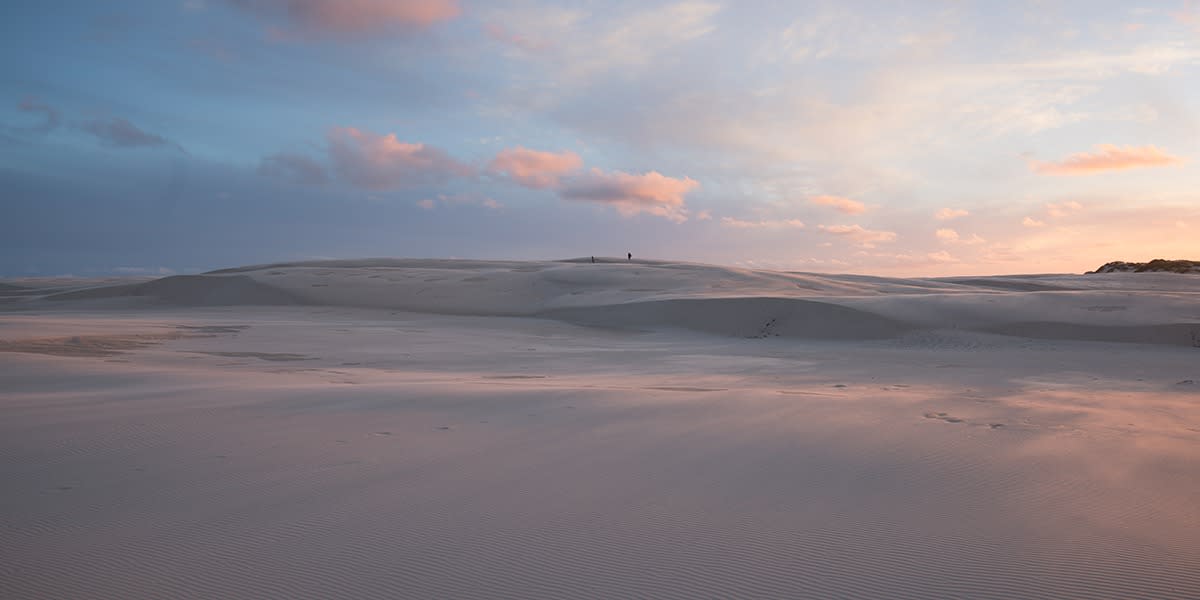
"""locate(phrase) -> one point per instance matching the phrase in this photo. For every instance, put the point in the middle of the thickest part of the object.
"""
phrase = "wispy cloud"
(950, 236)
(1032, 222)
(651, 193)
(499, 33)
(1189, 15)
(50, 115)
(762, 224)
(581, 44)
(949, 214)
(352, 16)
(941, 256)
(840, 204)
(376, 161)
(864, 237)
(121, 133)
(459, 200)
(1107, 157)
(662, 27)
(533, 168)
(1063, 209)
(296, 167)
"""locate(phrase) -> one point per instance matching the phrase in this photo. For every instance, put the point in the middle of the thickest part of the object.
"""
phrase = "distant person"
(630, 257)
(593, 259)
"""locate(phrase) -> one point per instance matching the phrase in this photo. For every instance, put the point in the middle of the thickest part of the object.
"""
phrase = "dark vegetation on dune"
(1158, 265)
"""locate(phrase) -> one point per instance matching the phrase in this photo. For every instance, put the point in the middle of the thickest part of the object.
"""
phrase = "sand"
(476, 429)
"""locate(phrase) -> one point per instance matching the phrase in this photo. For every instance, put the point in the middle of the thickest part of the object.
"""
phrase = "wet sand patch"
(87, 345)
(272, 356)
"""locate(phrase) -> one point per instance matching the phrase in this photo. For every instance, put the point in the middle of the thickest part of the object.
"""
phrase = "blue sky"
(897, 138)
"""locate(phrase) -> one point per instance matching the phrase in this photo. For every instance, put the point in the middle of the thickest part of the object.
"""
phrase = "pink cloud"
(840, 204)
(950, 236)
(1189, 15)
(1032, 222)
(865, 237)
(354, 16)
(762, 224)
(949, 214)
(381, 161)
(651, 193)
(1107, 157)
(534, 169)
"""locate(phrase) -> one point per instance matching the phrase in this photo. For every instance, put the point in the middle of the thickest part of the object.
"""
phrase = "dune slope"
(1143, 308)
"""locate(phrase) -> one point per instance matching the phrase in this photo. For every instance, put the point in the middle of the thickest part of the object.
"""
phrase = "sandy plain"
(563, 429)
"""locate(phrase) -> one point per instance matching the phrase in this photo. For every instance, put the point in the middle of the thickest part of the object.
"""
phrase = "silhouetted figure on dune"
(630, 257)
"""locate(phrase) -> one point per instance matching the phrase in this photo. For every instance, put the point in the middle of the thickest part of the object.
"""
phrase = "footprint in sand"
(941, 416)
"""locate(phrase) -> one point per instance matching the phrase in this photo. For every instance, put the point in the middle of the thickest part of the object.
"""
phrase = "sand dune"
(740, 317)
(478, 429)
(1142, 308)
(188, 290)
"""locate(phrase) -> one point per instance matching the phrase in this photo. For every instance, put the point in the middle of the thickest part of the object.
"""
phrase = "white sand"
(467, 429)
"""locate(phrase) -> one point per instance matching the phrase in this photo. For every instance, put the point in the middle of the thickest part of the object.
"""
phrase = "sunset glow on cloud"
(762, 224)
(912, 138)
(535, 169)
(865, 237)
(651, 193)
(354, 16)
(947, 214)
(1107, 158)
(845, 205)
(381, 161)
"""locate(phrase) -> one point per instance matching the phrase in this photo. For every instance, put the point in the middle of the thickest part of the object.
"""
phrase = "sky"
(921, 138)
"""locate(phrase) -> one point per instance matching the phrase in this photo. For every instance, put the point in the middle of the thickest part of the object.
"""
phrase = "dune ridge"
(648, 295)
